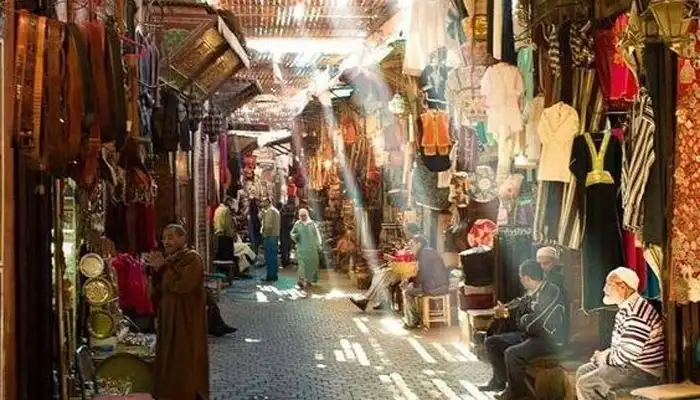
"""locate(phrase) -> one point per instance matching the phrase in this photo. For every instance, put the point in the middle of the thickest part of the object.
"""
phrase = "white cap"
(626, 275)
(548, 252)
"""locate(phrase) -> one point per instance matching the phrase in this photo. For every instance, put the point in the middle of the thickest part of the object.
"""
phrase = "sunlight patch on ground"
(250, 340)
(393, 326)
(261, 298)
(421, 351)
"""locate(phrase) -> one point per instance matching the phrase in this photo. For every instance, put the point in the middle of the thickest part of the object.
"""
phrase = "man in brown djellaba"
(182, 358)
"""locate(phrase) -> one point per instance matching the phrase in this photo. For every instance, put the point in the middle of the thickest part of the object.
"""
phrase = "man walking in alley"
(270, 233)
(182, 358)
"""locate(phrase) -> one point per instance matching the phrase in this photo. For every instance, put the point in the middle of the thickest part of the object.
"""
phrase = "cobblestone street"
(321, 347)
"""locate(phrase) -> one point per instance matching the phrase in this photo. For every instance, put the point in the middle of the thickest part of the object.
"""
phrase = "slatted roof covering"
(322, 18)
(328, 19)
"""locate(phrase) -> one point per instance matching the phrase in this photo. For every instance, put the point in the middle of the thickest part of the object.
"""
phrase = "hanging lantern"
(673, 20)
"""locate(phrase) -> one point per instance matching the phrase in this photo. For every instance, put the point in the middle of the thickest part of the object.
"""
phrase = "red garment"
(140, 212)
(291, 188)
(634, 258)
(224, 173)
(349, 131)
(132, 285)
(618, 83)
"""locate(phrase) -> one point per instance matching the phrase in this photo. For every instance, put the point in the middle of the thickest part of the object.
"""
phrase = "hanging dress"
(596, 163)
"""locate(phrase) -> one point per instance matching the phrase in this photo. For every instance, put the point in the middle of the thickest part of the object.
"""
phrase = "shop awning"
(208, 57)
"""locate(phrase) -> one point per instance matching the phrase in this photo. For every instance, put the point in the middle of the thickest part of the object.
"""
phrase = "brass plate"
(91, 265)
(101, 324)
(98, 291)
(125, 367)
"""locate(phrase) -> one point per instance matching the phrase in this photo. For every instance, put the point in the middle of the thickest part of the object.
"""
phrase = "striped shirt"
(638, 337)
(638, 157)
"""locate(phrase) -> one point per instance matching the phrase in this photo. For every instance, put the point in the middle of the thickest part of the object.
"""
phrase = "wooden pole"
(8, 384)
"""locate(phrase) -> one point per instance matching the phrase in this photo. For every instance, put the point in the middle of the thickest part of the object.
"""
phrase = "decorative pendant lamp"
(673, 18)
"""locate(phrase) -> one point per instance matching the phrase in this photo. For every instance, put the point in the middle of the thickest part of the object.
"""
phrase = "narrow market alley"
(322, 347)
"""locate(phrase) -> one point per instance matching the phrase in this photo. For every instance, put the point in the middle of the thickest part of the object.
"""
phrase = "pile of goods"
(404, 264)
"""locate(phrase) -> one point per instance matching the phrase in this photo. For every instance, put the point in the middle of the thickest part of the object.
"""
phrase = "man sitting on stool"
(432, 280)
(636, 355)
(539, 327)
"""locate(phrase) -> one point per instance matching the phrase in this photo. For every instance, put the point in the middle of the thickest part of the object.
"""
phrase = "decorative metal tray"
(98, 291)
(101, 324)
(123, 368)
(91, 265)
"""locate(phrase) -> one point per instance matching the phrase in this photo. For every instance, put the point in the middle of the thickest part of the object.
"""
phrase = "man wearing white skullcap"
(548, 257)
(636, 354)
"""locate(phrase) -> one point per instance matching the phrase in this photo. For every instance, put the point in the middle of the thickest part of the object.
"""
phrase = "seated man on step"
(539, 329)
(636, 356)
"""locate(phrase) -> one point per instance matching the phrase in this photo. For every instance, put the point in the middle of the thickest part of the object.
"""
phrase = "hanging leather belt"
(54, 138)
(73, 95)
(84, 67)
(31, 43)
(115, 80)
(96, 37)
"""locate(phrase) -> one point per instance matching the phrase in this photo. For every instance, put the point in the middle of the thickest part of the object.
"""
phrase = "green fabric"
(526, 65)
(308, 241)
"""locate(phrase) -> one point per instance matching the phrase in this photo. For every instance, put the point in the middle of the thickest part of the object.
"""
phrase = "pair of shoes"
(360, 303)
(410, 327)
(493, 386)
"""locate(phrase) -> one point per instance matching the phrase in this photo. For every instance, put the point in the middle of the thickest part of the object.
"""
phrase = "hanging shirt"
(502, 86)
(426, 33)
(557, 129)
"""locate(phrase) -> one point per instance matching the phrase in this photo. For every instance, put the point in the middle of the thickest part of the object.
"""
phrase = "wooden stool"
(442, 312)
(673, 391)
(547, 380)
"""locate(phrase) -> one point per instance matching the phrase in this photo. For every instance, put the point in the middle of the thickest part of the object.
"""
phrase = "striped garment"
(638, 158)
(638, 337)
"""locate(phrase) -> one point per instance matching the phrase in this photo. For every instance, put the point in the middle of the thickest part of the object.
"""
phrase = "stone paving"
(316, 347)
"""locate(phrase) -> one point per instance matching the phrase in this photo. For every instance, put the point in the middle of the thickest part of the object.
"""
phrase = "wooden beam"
(8, 356)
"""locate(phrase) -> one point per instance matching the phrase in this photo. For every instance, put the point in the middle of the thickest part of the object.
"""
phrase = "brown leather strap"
(54, 139)
(96, 40)
(73, 95)
(33, 144)
(25, 28)
(115, 77)
(132, 107)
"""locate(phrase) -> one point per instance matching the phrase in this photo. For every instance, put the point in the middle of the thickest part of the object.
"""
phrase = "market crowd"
(535, 325)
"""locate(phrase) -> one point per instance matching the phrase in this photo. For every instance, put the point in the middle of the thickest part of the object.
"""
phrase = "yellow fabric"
(223, 224)
(598, 174)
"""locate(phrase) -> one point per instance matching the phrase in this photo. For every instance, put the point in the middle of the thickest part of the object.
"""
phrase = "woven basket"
(404, 269)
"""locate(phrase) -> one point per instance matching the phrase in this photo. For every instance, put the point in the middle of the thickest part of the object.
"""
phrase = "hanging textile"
(639, 158)
(514, 247)
(618, 83)
(426, 33)
(684, 281)
(660, 65)
(596, 163)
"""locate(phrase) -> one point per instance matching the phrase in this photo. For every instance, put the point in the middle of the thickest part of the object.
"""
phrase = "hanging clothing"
(557, 128)
(660, 65)
(433, 83)
(684, 281)
(514, 247)
(140, 212)
(617, 82)
(533, 146)
(521, 24)
(508, 53)
(502, 85)
(497, 29)
(133, 285)
(526, 66)
(634, 257)
(548, 208)
(639, 157)
(464, 93)
(596, 163)
(426, 33)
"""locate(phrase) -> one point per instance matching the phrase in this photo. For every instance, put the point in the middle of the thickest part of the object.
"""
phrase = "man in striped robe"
(636, 355)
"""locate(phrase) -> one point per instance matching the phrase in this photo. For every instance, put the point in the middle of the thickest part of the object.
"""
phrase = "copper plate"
(101, 324)
(98, 291)
(91, 265)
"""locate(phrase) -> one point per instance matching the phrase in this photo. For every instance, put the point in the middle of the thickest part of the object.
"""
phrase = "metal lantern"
(673, 20)
(397, 105)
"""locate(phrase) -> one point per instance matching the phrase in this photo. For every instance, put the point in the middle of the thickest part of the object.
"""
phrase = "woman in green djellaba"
(308, 240)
